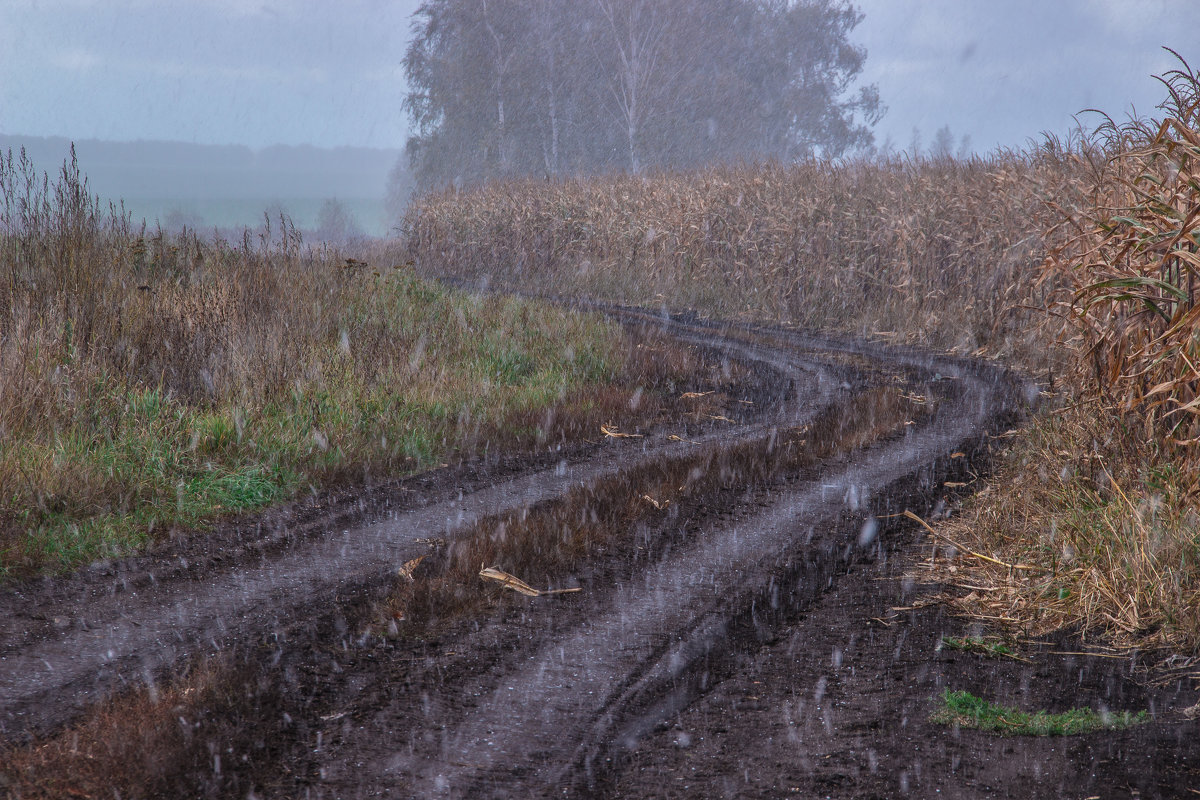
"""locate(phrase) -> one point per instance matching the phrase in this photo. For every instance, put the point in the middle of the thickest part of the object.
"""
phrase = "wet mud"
(743, 626)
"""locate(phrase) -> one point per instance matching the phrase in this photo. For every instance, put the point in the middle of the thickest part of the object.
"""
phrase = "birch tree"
(552, 87)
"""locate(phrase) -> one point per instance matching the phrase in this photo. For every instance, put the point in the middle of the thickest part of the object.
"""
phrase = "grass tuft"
(975, 644)
(965, 710)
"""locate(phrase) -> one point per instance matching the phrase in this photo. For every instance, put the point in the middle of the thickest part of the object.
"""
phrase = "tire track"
(129, 635)
(555, 722)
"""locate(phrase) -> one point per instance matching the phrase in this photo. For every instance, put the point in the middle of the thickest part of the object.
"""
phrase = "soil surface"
(748, 632)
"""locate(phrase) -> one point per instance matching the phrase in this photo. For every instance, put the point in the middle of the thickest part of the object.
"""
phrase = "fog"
(328, 76)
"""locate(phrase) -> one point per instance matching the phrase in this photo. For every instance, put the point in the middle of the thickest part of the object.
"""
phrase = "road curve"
(552, 724)
(124, 630)
(580, 699)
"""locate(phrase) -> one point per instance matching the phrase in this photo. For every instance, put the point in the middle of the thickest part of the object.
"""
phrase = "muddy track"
(559, 720)
(60, 651)
(556, 695)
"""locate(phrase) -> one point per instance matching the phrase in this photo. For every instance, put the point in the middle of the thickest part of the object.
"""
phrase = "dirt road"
(739, 639)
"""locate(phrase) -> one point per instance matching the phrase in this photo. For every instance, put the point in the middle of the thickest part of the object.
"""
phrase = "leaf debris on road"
(517, 585)
(615, 434)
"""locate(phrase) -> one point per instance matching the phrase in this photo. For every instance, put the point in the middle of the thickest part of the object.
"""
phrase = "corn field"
(1132, 267)
(940, 252)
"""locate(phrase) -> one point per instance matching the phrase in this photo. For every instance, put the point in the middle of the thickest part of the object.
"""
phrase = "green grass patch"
(975, 644)
(398, 374)
(968, 711)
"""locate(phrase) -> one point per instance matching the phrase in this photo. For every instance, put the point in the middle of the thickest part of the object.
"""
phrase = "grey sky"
(327, 72)
(1003, 71)
(323, 72)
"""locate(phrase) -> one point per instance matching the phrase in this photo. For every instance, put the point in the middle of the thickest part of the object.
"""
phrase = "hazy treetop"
(329, 73)
(505, 87)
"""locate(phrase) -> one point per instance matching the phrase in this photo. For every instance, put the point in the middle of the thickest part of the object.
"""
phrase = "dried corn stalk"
(517, 585)
(1134, 268)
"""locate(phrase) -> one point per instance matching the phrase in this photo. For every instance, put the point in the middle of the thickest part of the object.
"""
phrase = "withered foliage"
(1132, 268)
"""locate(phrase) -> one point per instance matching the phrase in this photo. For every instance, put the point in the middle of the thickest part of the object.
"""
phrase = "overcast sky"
(328, 72)
(1003, 71)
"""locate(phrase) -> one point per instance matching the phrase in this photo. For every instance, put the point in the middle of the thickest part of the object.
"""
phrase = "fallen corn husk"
(518, 585)
(607, 431)
(962, 549)
(406, 571)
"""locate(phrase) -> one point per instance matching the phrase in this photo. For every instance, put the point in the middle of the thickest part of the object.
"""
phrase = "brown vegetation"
(149, 381)
(1073, 260)
(1089, 527)
(1101, 500)
(1133, 268)
(939, 252)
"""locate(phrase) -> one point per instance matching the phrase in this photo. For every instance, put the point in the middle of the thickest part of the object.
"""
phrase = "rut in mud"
(716, 551)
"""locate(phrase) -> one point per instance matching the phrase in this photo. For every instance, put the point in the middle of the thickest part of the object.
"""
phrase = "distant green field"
(237, 212)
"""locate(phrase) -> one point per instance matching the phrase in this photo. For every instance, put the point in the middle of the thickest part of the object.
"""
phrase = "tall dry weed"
(150, 380)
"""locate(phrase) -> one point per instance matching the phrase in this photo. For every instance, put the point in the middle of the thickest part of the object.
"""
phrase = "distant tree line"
(499, 87)
(942, 146)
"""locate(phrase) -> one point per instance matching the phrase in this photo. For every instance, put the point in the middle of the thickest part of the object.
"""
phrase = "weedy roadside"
(1100, 496)
(151, 382)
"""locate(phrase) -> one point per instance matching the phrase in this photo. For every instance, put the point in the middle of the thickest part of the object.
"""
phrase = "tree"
(336, 225)
(943, 144)
(964, 147)
(641, 75)
(914, 144)
(808, 51)
(544, 87)
(399, 189)
(550, 85)
(182, 218)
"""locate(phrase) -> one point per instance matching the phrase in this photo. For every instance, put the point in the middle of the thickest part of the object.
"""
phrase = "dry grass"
(1100, 533)
(943, 253)
(149, 381)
